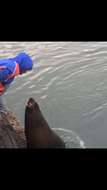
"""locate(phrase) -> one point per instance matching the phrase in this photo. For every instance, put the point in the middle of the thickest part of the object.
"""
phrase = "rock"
(11, 132)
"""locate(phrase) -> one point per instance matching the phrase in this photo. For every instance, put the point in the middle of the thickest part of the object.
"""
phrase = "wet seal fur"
(37, 131)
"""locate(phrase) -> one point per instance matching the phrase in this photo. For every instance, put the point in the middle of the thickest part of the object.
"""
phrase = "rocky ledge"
(11, 132)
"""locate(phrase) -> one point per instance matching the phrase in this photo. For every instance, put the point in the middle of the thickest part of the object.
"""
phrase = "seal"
(37, 131)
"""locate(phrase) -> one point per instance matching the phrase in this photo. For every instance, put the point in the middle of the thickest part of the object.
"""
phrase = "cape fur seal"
(37, 131)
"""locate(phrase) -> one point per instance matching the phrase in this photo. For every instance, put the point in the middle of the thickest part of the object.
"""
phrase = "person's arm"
(3, 76)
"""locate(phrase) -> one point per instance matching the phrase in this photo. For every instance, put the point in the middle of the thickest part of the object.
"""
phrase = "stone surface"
(11, 132)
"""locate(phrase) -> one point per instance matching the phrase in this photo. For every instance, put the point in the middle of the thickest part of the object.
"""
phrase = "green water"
(69, 81)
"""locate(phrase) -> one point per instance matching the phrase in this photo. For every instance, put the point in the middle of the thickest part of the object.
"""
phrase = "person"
(9, 69)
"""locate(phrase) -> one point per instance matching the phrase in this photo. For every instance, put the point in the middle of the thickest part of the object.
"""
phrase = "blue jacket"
(24, 61)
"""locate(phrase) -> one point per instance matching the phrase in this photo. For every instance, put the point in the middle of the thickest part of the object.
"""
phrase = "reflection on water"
(69, 81)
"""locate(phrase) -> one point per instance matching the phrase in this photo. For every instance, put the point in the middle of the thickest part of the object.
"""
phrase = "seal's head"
(33, 115)
(32, 105)
(33, 120)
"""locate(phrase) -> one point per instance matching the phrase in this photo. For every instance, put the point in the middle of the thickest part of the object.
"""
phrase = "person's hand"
(1, 92)
(2, 88)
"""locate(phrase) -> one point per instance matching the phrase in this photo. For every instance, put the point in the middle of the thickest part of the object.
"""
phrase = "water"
(69, 81)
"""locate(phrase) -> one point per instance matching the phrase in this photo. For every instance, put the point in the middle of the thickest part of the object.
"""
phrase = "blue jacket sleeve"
(4, 75)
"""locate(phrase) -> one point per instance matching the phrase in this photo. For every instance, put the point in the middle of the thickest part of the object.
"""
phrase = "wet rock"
(11, 132)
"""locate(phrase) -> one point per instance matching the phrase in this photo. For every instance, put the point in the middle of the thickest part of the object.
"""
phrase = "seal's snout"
(29, 105)
(30, 102)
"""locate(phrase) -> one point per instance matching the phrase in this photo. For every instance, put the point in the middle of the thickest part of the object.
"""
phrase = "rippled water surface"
(69, 81)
